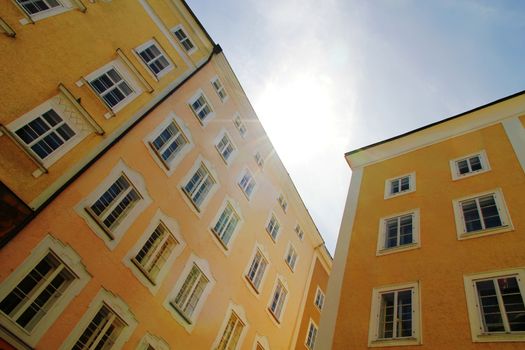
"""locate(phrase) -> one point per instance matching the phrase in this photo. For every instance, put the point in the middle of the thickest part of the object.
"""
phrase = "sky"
(326, 77)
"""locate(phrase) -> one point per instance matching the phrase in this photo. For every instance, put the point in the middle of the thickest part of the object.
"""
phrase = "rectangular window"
(33, 7)
(154, 58)
(46, 133)
(469, 165)
(400, 185)
(247, 183)
(37, 292)
(199, 186)
(169, 143)
(114, 204)
(278, 298)
(282, 202)
(201, 107)
(183, 39)
(239, 124)
(225, 147)
(256, 271)
(111, 87)
(291, 257)
(259, 160)
(310, 336)
(231, 334)
(226, 224)
(219, 89)
(299, 231)
(398, 231)
(155, 252)
(102, 332)
(190, 293)
(319, 298)
(480, 213)
(273, 227)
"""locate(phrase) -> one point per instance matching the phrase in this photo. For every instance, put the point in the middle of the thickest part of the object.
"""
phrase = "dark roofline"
(435, 123)
(188, 8)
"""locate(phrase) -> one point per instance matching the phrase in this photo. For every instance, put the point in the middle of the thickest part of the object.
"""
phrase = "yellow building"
(431, 250)
(183, 230)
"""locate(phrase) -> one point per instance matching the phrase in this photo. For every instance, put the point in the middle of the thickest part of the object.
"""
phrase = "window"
(102, 331)
(154, 58)
(111, 87)
(232, 333)
(469, 165)
(496, 305)
(299, 231)
(169, 143)
(480, 214)
(310, 336)
(114, 204)
(319, 298)
(226, 224)
(33, 7)
(282, 202)
(190, 293)
(273, 227)
(155, 252)
(247, 183)
(291, 257)
(199, 186)
(200, 106)
(219, 89)
(278, 298)
(399, 232)
(257, 269)
(183, 39)
(225, 147)
(239, 124)
(400, 185)
(259, 160)
(395, 316)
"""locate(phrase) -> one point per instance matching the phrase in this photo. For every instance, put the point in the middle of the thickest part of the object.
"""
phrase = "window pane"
(471, 216)
(513, 302)
(489, 211)
(386, 317)
(490, 311)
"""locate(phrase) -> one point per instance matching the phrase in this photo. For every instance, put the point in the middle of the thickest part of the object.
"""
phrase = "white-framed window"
(169, 143)
(225, 146)
(184, 40)
(400, 185)
(278, 300)
(481, 214)
(40, 9)
(496, 305)
(191, 291)
(233, 330)
(201, 107)
(239, 124)
(291, 257)
(398, 232)
(309, 342)
(469, 165)
(113, 89)
(257, 269)
(107, 324)
(299, 231)
(39, 289)
(219, 89)
(319, 298)
(152, 342)
(283, 203)
(226, 224)
(394, 318)
(259, 159)
(199, 186)
(247, 183)
(260, 343)
(273, 227)
(154, 58)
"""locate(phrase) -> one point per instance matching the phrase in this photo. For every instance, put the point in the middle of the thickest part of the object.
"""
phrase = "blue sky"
(326, 77)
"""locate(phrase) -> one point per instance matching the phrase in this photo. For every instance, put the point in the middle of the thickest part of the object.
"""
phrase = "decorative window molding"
(278, 300)
(291, 256)
(154, 58)
(226, 224)
(152, 342)
(239, 124)
(283, 203)
(319, 298)
(219, 89)
(496, 305)
(115, 204)
(189, 294)
(50, 130)
(395, 316)
(481, 214)
(170, 142)
(299, 231)
(153, 255)
(201, 107)
(108, 323)
(261, 343)
(184, 40)
(233, 329)
(256, 269)
(38, 290)
(273, 226)
(199, 185)
(311, 334)
(225, 146)
(469, 165)
(36, 10)
(247, 183)
(400, 185)
(399, 232)
(259, 159)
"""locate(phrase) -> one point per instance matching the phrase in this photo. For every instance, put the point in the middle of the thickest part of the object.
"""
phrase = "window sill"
(408, 341)
(274, 239)
(218, 239)
(141, 269)
(274, 317)
(100, 224)
(483, 233)
(181, 314)
(386, 251)
(191, 200)
(395, 195)
(456, 177)
(499, 337)
(252, 285)
(291, 268)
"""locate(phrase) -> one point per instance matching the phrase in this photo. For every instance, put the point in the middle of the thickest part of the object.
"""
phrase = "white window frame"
(71, 260)
(170, 166)
(222, 88)
(270, 233)
(223, 133)
(299, 231)
(240, 125)
(258, 248)
(251, 182)
(475, 318)
(209, 116)
(148, 44)
(65, 6)
(149, 341)
(181, 27)
(485, 166)
(411, 185)
(319, 295)
(415, 339)
(382, 250)
(308, 342)
(293, 263)
(226, 247)
(278, 319)
(240, 313)
(189, 323)
(117, 306)
(137, 181)
(502, 210)
(173, 227)
(259, 159)
(199, 209)
(262, 342)
(283, 202)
